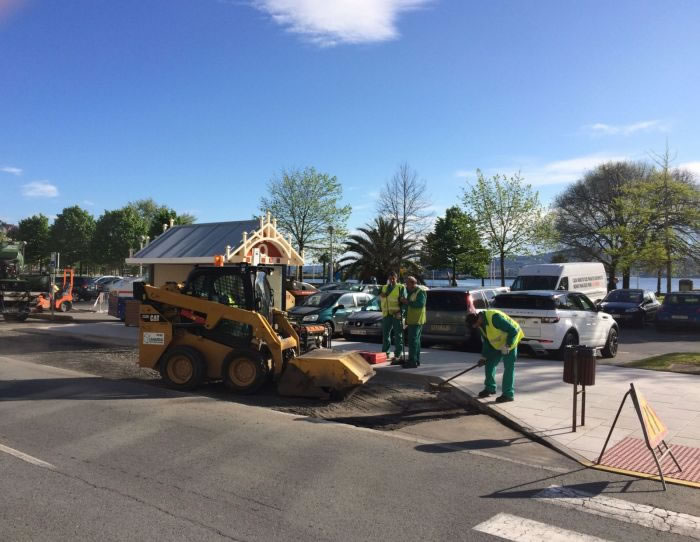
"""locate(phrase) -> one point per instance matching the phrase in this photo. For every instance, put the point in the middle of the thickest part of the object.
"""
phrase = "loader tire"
(182, 368)
(245, 370)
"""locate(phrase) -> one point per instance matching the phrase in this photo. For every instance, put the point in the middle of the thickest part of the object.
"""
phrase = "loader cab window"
(263, 295)
(198, 287)
(229, 290)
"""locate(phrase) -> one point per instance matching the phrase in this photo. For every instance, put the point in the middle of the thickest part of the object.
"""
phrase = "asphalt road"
(124, 460)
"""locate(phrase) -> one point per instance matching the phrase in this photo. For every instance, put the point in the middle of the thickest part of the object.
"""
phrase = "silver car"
(446, 314)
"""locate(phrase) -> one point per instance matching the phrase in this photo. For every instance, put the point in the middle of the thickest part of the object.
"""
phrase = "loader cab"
(244, 287)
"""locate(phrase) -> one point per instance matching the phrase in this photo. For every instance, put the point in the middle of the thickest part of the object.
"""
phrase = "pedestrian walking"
(391, 298)
(415, 318)
(500, 336)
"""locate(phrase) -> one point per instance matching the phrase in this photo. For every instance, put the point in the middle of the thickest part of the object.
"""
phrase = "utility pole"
(330, 264)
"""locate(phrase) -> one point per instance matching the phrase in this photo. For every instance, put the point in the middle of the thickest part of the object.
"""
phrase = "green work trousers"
(493, 358)
(414, 332)
(392, 327)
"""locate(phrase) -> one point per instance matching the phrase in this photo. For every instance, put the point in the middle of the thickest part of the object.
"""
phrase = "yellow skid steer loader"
(221, 325)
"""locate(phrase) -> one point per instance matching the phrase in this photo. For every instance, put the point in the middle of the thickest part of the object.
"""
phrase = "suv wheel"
(570, 339)
(610, 348)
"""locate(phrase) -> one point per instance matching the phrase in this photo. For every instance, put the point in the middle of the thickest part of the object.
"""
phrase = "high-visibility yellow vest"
(415, 316)
(390, 303)
(495, 336)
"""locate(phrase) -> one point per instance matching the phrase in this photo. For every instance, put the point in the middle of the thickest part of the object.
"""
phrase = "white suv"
(552, 320)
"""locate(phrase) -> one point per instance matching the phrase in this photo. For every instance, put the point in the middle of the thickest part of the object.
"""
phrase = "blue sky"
(197, 103)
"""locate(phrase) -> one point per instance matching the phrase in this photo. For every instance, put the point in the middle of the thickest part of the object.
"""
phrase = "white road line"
(511, 527)
(26, 457)
(630, 512)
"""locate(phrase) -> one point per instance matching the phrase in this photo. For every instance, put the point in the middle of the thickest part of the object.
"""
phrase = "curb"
(517, 425)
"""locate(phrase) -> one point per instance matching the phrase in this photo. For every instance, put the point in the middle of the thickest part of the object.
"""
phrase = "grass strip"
(666, 362)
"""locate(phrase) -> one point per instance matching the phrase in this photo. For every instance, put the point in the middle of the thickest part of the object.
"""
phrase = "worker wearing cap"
(500, 336)
(391, 297)
(415, 318)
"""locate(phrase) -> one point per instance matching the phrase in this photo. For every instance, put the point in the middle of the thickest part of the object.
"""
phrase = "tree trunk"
(482, 282)
(453, 282)
(658, 282)
(626, 277)
(503, 269)
(612, 268)
(669, 270)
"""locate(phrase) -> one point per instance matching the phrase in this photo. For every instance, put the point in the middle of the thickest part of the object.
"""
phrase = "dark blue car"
(679, 310)
(631, 306)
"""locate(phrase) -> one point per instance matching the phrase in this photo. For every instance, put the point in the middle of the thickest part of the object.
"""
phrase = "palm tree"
(376, 251)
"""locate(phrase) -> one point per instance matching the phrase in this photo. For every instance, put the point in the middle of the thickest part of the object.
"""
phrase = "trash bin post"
(574, 354)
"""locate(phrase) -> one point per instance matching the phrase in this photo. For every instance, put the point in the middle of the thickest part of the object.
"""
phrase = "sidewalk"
(543, 405)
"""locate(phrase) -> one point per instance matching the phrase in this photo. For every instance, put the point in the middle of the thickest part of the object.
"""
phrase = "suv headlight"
(310, 318)
(631, 310)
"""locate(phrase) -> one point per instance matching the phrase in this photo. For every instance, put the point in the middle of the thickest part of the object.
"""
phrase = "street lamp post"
(330, 264)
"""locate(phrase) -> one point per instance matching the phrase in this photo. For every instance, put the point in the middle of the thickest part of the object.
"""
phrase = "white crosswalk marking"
(638, 514)
(26, 457)
(519, 529)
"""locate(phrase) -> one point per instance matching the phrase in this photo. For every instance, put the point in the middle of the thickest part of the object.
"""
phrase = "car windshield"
(682, 299)
(534, 282)
(321, 300)
(624, 296)
(373, 305)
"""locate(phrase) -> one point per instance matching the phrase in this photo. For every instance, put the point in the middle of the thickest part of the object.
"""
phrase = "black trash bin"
(579, 365)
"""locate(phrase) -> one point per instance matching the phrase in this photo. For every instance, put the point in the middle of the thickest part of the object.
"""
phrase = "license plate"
(439, 327)
(679, 317)
(358, 332)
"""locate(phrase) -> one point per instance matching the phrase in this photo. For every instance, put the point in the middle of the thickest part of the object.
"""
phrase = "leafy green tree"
(71, 235)
(116, 232)
(306, 203)
(508, 215)
(163, 216)
(375, 251)
(593, 221)
(35, 232)
(455, 243)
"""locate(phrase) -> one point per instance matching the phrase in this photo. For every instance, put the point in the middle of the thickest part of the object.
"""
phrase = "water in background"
(645, 283)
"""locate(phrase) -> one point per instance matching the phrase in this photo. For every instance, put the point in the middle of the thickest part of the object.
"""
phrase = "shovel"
(434, 387)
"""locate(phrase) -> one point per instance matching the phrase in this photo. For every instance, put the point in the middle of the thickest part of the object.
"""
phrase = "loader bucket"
(324, 374)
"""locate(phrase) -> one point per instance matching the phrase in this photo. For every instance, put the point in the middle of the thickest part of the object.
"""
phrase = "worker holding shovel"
(415, 318)
(391, 297)
(500, 336)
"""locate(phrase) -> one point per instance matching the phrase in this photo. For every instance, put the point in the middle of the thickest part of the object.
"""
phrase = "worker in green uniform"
(500, 337)
(391, 298)
(415, 318)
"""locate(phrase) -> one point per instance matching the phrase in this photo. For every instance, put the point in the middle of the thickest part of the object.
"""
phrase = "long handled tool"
(442, 386)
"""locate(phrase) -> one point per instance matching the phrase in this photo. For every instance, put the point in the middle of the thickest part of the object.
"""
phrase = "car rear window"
(447, 301)
(684, 299)
(532, 302)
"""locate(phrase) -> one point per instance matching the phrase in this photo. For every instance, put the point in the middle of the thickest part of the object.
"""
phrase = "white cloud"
(463, 173)
(11, 170)
(556, 172)
(691, 166)
(331, 22)
(88, 203)
(600, 128)
(39, 189)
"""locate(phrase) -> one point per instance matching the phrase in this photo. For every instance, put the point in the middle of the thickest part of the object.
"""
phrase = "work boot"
(397, 361)
(410, 365)
(504, 399)
(485, 393)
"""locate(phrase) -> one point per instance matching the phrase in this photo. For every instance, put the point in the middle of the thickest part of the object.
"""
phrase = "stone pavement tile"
(695, 443)
(590, 447)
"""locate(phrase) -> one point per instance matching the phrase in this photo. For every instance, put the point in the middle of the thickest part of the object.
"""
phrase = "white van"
(585, 277)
